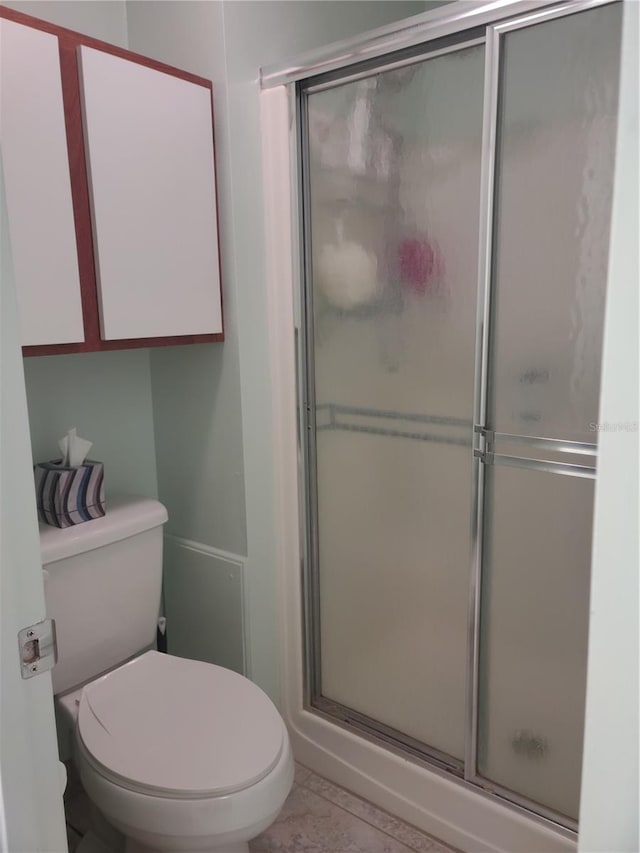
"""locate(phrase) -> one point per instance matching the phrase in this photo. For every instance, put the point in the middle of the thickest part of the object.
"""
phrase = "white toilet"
(178, 755)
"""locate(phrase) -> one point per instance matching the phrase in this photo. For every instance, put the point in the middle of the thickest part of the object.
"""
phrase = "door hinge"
(38, 648)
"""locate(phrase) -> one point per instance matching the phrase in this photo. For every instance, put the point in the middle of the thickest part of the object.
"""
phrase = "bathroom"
(193, 425)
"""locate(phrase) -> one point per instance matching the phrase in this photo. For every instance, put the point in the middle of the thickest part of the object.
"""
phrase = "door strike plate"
(38, 648)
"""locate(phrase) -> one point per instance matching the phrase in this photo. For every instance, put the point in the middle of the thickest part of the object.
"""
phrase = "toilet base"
(104, 838)
(132, 846)
(92, 843)
(148, 823)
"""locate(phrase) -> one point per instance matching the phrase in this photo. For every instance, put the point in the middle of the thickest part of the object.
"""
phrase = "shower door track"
(389, 50)
(392, 738)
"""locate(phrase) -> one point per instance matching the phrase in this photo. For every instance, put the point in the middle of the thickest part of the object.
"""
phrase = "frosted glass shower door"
(556, 140)
(393, 190)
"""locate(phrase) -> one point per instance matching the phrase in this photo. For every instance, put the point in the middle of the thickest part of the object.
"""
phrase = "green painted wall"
(102, 19)
(107, 396)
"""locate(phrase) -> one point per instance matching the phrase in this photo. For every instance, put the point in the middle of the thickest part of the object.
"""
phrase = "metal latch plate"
(38, 648)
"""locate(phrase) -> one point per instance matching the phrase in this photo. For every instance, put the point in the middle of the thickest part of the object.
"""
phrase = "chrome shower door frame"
(350, 61)
(308, 425)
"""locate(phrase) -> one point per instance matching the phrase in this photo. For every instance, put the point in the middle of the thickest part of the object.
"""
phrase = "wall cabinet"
(110, 173)
(38, 187)
(149, 147)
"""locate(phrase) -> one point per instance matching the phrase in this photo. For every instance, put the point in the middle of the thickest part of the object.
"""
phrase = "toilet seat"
(178, 728)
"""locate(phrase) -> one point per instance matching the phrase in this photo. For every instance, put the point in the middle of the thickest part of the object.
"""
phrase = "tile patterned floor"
(318, 817)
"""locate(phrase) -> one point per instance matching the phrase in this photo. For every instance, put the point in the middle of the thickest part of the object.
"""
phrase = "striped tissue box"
(68, 496)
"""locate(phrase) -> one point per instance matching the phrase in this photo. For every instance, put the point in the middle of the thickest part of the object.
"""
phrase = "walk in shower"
(454, 206)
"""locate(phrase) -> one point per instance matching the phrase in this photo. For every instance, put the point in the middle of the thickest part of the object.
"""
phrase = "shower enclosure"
(455, 205)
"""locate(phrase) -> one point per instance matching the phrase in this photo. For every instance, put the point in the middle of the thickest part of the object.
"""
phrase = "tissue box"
(68, 496)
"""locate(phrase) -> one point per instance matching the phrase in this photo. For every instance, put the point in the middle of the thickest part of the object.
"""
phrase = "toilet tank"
(102, 582)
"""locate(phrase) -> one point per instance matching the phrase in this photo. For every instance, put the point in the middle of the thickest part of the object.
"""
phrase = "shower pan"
(454, 205)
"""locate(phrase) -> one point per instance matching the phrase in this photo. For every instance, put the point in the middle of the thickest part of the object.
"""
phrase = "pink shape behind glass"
(419, 264)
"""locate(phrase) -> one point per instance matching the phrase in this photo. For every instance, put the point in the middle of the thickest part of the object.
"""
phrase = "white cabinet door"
(149, 144)
(38, 187)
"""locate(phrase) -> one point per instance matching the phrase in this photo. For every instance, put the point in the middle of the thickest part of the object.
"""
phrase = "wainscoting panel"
(203, 600)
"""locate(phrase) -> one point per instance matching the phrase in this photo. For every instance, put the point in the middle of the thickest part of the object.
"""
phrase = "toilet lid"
(180, 727)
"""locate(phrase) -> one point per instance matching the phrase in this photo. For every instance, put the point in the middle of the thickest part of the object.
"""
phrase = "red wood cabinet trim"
(69, 41)
(129, 343)
(79, 196)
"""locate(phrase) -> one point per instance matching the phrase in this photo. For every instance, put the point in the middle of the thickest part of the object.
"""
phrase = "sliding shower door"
(394, 182)
(456, 211)
(556, 129)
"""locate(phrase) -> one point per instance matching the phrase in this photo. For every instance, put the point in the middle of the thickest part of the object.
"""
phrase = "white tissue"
(74, 449)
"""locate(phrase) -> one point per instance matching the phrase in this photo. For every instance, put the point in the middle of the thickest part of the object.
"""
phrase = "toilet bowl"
(180, 755)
